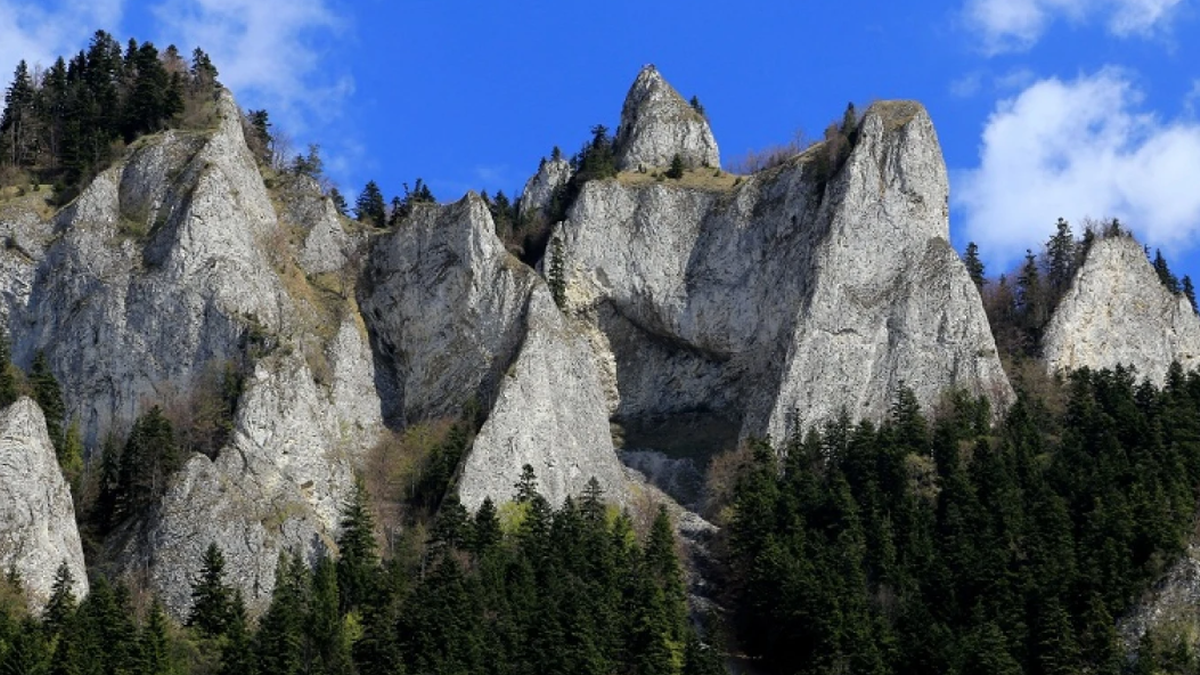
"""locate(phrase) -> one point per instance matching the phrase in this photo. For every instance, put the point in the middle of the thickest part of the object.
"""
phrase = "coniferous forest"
(956, 540)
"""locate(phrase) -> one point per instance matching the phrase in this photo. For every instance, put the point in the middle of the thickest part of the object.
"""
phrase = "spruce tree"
(237, 655)
(8, 379)
(1164, 273)
(61, 606)
(211, 597)
(154, 649)
(1061, 252)
(339, 201)
(370, 207)
(676, 170)
(1189, 291)
(358, 558)
(48, 395)
(974, 265)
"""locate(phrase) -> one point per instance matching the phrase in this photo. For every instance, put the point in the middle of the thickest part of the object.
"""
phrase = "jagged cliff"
(785, 298)
(170, 267)
(37, 518)
(1117, 312)
(454, 317)
(736, 305)
(657, 124)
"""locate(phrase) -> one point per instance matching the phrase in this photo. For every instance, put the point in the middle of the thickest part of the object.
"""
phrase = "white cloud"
(967, 86)
(270, 53)
(1016, 25)
(1076, 149)
(40, 32)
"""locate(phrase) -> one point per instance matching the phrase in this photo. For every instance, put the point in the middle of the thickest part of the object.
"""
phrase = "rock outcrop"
(170, 268)
(1117, 312)
(539, 189)
(786, 299)
(37, 518)
(454, 317)
(657, 124)
(1173, 602)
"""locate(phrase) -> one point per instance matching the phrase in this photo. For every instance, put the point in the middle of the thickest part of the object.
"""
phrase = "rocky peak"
(454, 317)
(539, 189)
(785, 299)
(1117, 312)
(657, 124)
(37, 518)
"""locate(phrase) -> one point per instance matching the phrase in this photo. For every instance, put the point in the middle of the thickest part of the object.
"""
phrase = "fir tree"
(974, 265)
(370, 206)
(154, 649)
(526, 486)
(676, 170)
(1061, 253)
(211, 597)
(1185, 287)
(8, 379)
(358, 559)
(1169, 281)
(61, 606)
(339, 201)
(48, 395)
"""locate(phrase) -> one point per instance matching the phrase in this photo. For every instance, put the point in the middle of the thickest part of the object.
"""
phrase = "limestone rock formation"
(539, 189)
(171, 267)
(453, 317)
(657, 124)
(1117, 312)
(1173, 602)
(37, 518)
(787, 298)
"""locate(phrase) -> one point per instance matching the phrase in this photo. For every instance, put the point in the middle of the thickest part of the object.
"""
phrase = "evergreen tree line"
(61, 124)
(526, 589)
(1019, 310)
(952, 546)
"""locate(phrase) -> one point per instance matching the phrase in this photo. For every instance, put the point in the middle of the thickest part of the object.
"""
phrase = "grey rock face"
(1117, 312)
(539, 189)
(37, 518)
(454, 316)
(550, 413)
(784, 300)
(1173, 601)
(277, 486)
(170, 265)
(158, 272)
(657, 124)
(327, 246)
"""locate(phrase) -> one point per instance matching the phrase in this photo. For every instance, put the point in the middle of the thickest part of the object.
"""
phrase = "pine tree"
(211, 597)
(17, 123)
(676, 170)
(154, 655)
(339, 201)
(974, 265)
(237, 655)
(358, 558)
(1185, 287)
(8, 379)
(150, 457)
(370, 206)
(1061, 252)
(49, 398)
(61, 606)
(526, 485)
(279, 643)
(1164, 273)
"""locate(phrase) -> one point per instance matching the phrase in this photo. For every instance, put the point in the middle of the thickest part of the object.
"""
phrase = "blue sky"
(1045, 108)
